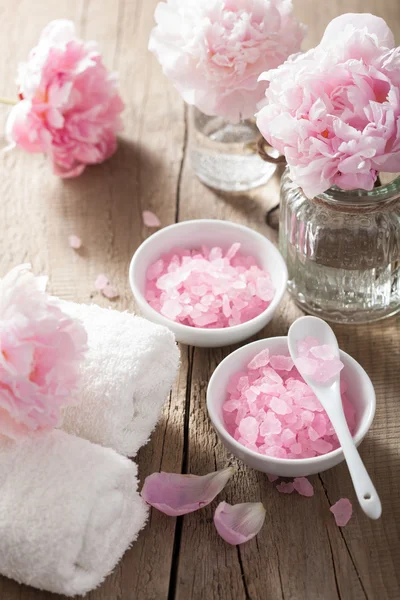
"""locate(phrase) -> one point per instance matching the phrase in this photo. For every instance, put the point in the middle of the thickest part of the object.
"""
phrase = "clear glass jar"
(342, 250)
(224, 154)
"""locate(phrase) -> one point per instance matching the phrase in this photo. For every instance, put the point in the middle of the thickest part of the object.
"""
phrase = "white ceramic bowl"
(209, 232)
(360, 392)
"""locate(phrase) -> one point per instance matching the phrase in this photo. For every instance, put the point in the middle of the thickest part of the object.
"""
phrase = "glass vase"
(342, 250)
(224, 154)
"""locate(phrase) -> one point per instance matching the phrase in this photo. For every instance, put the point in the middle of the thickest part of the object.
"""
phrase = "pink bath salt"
(271, 424)
(324, 352)
(248, 428)
(217, 288)
(279, 416)
(272, 478)
(260, 360)
(304, 346)
(328, 370)
(321, 446)
(279, 406)
(342, 511)
(75, 242)
(308, 366)
(303, 486)
(171, 309)
(285, 487)
(233, 250)
(281, 363)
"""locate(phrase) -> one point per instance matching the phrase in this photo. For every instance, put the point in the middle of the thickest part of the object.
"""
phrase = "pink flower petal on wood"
(342, 511)
(109, 292)
(303, 486)
(75, 242)
(239, 523)
(101, 282)
(285, 487)
(150, 219)
(175, 494)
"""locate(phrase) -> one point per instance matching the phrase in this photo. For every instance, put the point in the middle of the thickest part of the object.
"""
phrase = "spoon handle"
(365, 490)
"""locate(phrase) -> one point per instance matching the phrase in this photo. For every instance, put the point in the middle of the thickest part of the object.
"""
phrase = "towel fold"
(68, 511)
(126, 376)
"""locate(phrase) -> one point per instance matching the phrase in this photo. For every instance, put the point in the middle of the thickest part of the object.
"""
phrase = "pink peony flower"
(214, 50)
(70, 108)
(334, 112)
(40, 348)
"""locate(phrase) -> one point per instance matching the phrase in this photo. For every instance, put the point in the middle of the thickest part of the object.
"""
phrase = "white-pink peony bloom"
(214, 50)
(70, 107)
(334, 112)
(40, 350)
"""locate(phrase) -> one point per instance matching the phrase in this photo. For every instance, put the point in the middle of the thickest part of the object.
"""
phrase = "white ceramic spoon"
(329, 395)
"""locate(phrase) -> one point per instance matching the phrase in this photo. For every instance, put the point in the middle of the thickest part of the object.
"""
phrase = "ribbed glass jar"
(224, 154)
(342, 250)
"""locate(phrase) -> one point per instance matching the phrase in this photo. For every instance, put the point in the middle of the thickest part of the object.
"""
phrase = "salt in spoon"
(328, 393)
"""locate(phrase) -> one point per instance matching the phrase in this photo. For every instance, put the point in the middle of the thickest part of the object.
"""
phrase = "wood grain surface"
(300, 553)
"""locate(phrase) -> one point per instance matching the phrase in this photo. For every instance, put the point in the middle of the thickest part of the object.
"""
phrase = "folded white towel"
(125, 378)
(68, 511)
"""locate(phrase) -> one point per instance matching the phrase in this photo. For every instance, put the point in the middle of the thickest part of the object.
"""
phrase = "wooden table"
(300, 554)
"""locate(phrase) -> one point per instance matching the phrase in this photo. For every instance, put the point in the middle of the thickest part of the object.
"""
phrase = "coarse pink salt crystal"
(248, 429)
(308, 366)
(328, 370)
(75, 242)
(271, 424)
(324, 352)
(281, 363)
(272, 478)
(233, 250)
(342, 511)
(303, 486)
(260, 360)
(285, 487)
(279, 406)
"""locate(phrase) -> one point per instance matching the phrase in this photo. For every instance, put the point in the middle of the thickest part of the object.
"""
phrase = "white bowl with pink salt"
(213, 283)
(266, 415)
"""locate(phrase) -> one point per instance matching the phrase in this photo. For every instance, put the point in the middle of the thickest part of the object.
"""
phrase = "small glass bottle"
(224, 154)
(342, 250)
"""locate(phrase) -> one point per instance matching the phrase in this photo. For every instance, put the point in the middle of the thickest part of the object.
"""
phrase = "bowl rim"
(358, 437)
(186, 329)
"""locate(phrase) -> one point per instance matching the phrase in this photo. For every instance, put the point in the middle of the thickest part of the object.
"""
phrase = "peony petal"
(342, 511)
(303, 486)
(239, 523)
(150, 219)
(109, 292)
(285, 487)
(374, 25)
(75, 242)
(101, 281)
(175, 494)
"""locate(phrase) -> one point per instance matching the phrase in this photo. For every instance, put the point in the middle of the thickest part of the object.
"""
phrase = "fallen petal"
(285, 487)
(150, 219)
(303, 486)
(239, 523)
(75, 242)
(175, 494)
(342, 511)
(109, 292)
(101, 282)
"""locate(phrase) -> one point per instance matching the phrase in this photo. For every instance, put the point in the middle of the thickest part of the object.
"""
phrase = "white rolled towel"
(68, 511)
(125, 378)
